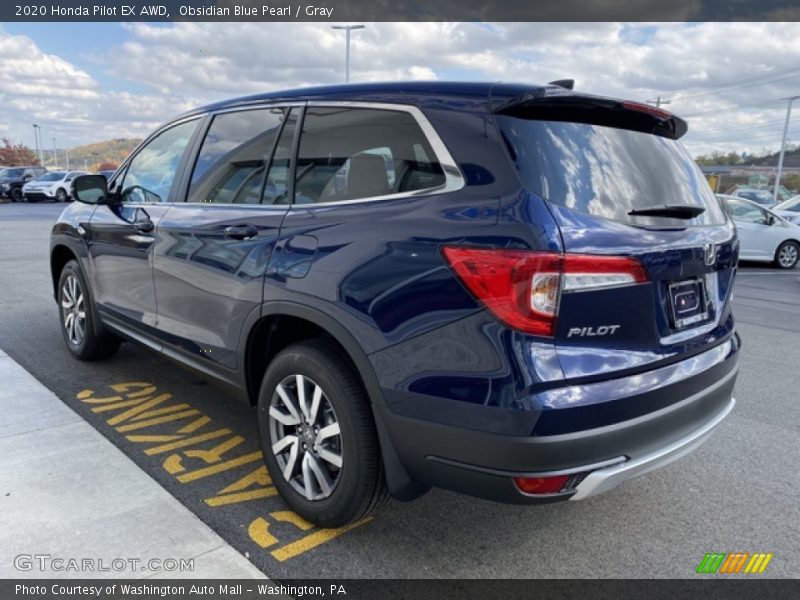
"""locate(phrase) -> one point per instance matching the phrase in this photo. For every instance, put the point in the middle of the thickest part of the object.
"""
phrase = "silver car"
(789, 209)
(764, 235)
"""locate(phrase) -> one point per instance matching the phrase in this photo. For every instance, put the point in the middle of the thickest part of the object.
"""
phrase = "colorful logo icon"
(734, 562)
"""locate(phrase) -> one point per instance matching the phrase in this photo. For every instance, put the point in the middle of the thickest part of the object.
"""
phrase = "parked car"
(13, 178)
(55, 185)
(516, 292)
(762, 197)
(108, 174)
(763, 235)
(789, 209)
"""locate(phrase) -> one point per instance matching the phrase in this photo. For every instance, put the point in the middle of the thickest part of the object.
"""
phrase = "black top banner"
(401, 10)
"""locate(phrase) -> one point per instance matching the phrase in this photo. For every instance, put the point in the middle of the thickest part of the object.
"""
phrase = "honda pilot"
(516, 292)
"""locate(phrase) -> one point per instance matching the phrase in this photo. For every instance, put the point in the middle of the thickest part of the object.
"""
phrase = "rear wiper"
(675, 211)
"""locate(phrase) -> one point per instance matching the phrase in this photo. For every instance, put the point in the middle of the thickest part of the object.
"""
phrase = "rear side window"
(354, 153)
(235, 152)
(606, 171)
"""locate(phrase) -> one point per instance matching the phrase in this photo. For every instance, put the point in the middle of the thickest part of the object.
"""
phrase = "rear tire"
(320, 445)
(787, 255)
(85, 338)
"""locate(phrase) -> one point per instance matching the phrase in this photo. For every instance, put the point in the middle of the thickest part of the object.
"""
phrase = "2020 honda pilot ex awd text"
(516, 292)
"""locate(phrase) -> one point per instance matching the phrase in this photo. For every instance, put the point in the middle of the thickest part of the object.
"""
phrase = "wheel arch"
(282, 323)
(303, 321)
(60, 255)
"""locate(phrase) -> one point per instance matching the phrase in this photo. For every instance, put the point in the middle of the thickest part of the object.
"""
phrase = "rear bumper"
(484, 464)
(605, 479)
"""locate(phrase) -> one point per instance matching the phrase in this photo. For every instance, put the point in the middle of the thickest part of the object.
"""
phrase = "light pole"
(659, 101)
(347, 29)
(36, 136)
(783, 149)
(55, 154)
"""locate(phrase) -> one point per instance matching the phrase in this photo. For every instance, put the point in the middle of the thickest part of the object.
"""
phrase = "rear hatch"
(618, 183)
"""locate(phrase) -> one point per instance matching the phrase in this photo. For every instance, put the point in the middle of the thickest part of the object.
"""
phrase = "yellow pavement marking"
(218, 468)
(313, 540)
(124, 416)
(158, 421)
(196, 439)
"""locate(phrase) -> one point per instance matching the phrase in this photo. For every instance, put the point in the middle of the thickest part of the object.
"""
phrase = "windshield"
(54, 176)
(8, 173)
(607, 171)
(792, 204)
(756, 196)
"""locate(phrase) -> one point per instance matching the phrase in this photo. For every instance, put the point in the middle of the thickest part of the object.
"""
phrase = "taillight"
(523, 288)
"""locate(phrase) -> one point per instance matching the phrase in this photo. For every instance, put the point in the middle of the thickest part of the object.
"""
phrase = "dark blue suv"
(516, 292)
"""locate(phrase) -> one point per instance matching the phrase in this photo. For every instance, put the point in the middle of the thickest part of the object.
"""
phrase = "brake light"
(646, 108)
(523, 288)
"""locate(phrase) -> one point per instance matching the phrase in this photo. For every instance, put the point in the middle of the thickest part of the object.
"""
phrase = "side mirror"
(771, 220)
(90, 189)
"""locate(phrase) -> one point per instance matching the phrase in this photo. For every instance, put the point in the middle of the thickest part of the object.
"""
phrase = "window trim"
(201, 138)
(178, 183)
(454, 180)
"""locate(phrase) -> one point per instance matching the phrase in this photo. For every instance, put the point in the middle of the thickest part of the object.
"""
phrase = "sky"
(89, 82)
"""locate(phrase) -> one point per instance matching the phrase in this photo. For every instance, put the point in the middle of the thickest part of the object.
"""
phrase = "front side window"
(151, 173)
(235, 152)
(354, 153)
(744, 212)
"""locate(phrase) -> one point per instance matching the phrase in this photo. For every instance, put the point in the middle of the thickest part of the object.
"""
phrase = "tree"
(107, 166)
(16, 155)
(791, 181)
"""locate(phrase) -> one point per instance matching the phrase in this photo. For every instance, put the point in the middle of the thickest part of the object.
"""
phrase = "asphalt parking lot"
(737, 493)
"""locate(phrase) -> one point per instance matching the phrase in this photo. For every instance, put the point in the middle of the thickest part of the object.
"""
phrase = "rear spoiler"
(560, 104)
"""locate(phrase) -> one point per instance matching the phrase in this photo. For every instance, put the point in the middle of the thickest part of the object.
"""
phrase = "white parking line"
(793, 272)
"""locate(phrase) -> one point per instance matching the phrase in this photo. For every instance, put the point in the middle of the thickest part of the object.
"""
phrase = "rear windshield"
(607, 171)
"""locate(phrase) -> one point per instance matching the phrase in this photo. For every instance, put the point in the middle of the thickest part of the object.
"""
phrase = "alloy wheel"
(73, 310)
(305, 436)
(787, 256)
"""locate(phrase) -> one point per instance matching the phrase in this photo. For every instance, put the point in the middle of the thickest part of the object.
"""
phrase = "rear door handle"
(240, 232)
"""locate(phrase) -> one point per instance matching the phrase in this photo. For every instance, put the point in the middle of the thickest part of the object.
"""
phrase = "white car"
(763, 235)
(789, 209)
(55, 185)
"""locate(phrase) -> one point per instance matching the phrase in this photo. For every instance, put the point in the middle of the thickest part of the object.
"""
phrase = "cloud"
(718, 74)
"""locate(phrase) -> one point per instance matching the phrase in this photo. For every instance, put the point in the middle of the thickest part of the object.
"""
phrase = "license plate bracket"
(688, 304)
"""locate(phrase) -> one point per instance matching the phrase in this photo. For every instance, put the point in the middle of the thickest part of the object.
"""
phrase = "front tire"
(16, 195)
(787, 255)
(84, 337)
(318, 435)
(61, 195)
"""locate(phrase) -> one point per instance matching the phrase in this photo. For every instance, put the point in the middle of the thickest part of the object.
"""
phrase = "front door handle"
(240, 232)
